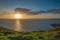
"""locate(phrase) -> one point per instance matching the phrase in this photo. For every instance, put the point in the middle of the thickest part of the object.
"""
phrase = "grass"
(53, 34)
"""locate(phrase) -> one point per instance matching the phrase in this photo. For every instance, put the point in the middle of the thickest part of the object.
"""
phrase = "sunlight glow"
(18, 16)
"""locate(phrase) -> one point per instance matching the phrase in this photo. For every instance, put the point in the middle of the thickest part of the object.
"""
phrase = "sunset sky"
(30, 4)
(35, 5)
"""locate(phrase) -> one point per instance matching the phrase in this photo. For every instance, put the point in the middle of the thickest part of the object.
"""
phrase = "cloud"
(31, 12)
(28, 11)
(54, 11)
(22, 10)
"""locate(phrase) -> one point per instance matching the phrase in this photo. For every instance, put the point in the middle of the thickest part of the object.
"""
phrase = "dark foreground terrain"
(53, 34)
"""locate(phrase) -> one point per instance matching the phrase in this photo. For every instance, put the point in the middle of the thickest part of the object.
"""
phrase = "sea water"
(28, 25)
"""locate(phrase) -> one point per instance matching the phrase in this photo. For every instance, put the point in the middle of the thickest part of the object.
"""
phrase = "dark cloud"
(54, 11)
(22, 10)
(30, 12)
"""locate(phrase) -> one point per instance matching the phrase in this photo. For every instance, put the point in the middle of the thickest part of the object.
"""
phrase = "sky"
(35, 5)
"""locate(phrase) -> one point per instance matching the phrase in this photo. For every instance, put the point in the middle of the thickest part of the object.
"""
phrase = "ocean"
(28, 25)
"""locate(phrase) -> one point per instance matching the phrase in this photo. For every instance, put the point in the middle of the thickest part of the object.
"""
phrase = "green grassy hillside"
(53, 34)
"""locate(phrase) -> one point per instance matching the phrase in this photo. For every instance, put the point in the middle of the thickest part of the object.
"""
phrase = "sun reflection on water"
(17, 25)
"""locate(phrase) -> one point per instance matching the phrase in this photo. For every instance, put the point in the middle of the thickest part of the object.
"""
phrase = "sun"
(18, 16)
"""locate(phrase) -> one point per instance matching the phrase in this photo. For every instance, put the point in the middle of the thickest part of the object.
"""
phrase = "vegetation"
(53, 34)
